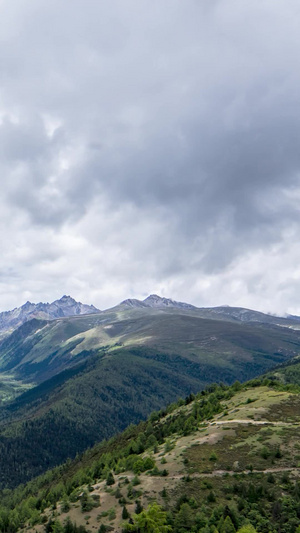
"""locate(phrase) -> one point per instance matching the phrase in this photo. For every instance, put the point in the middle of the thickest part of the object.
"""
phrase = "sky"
(150, 147)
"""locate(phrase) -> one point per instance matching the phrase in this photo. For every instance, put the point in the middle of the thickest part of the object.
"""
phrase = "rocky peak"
(157, 301)
(133, 302)
(64, 307)
(66, 299)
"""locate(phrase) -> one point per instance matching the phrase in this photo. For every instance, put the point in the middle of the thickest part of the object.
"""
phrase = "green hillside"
(287, 373)
(39, 349)
(219, 461)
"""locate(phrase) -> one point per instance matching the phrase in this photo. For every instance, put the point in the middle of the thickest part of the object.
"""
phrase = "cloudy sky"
(150, 147)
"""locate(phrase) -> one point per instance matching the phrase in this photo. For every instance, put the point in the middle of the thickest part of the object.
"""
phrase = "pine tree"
(110, 480)
(185, 518)
(228, 526)
(87, 503)
(138, 507)
(153, 520)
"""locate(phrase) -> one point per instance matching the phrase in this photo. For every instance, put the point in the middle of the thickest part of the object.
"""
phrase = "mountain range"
(68, 307)
(87, 376)
(57, 336)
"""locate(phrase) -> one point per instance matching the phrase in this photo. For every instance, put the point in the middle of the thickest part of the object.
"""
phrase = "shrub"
(213, 456)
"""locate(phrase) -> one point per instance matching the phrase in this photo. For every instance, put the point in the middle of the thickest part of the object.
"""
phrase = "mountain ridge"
(66, 306)
(156, 302)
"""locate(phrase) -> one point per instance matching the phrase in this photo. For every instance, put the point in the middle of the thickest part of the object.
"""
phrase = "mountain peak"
(155, 297)
(66, 299)
(157, 301)
(27, 304)
(133, 302)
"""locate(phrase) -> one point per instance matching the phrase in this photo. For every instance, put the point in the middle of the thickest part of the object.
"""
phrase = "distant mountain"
(156, 302)
(64, 333)
(68, 307)
(65, 307)
(224, 312)
(242, 314)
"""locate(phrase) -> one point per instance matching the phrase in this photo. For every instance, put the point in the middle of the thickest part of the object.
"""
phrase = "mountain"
(248, 315)
(155, 302)
(68, 307)
(65, 307)
(40, 349)
(87, 377)
(225, 460)
(226, 312)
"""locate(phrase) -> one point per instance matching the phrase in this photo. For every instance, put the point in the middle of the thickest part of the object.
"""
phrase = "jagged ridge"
(64, 307)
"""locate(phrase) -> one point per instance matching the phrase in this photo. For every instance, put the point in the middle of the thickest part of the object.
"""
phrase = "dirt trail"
(217, 473)
(253, 422)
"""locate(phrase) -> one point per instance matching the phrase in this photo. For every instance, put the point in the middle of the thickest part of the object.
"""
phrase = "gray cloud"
(150, 147)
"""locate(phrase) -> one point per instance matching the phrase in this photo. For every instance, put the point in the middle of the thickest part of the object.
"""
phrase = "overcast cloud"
(150, 147)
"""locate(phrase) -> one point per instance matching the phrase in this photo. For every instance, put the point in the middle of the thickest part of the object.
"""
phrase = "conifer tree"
(125, 513)
(110, 480)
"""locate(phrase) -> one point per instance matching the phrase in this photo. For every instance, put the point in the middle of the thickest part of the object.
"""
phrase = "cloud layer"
(150, 147)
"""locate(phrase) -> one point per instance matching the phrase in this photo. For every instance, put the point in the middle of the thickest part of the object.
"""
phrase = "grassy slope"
(238, 446)
(242, 461)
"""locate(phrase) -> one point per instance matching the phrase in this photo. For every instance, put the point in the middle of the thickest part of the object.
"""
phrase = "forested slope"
(221, 460)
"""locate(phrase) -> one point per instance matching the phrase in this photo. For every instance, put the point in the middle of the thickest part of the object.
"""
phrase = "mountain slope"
(38, 350)
(221, 460)
(85, 405)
